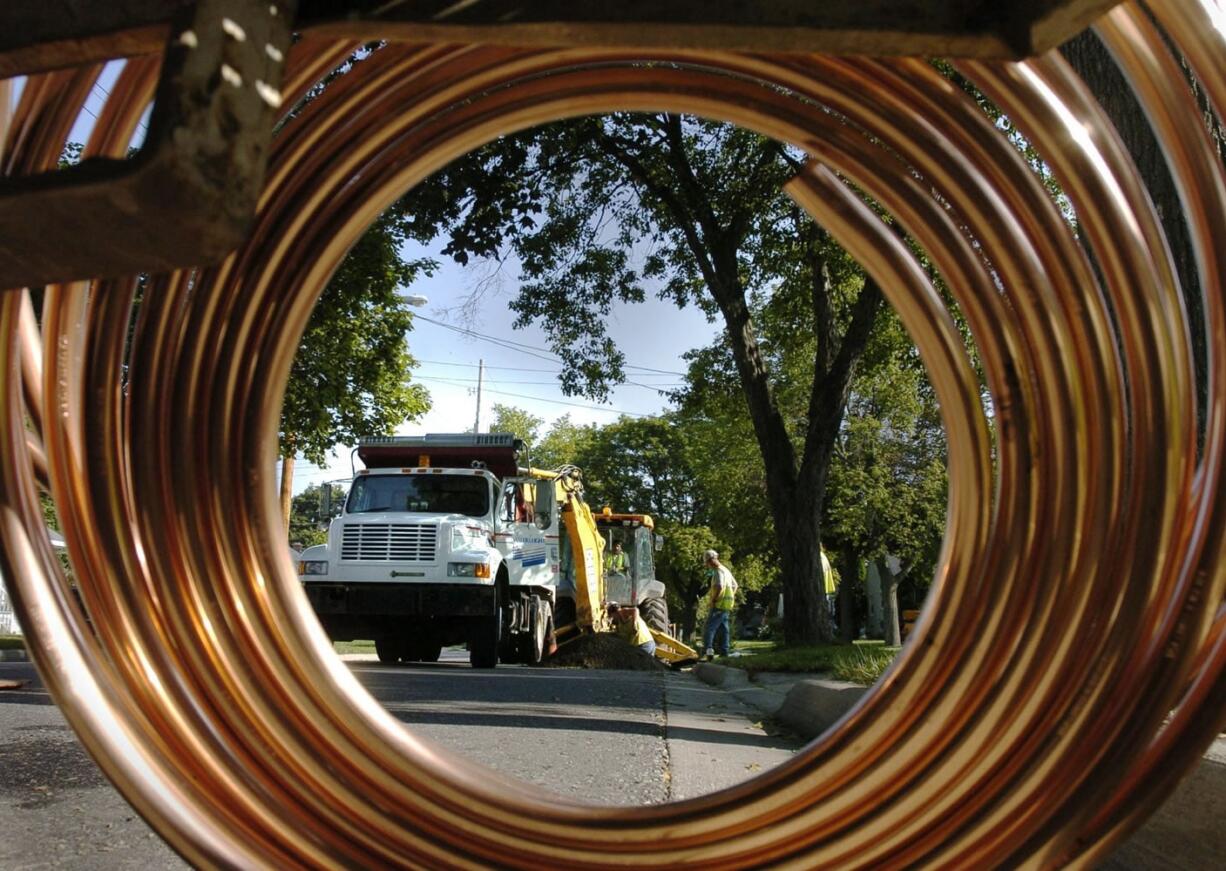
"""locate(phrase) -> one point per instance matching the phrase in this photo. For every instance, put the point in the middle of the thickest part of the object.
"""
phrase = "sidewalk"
(1185, 834)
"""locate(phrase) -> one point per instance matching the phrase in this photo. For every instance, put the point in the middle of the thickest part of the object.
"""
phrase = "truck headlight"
(468, 570)
(313, 567)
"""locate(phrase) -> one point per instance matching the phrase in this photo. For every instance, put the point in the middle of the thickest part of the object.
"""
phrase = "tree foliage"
(564, 444)
(305, 525)
(519, 423)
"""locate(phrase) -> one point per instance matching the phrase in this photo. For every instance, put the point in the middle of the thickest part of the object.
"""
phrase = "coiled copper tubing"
(1068, 667)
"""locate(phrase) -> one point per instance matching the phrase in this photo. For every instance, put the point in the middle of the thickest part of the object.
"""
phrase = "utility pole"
(480, 378)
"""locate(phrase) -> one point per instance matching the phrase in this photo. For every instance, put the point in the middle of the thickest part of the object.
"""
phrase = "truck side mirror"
(659, 543)
(543, 504)
(325, 503)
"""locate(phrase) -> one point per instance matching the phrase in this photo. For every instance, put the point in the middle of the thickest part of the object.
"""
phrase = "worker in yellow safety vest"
(721, 600)
(615, 560)
(831, 589)
(631, 626)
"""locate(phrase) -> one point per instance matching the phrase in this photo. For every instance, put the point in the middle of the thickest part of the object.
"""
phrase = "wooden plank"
(946, 28)
(1053, 23)
(40, 35)
(44, 34)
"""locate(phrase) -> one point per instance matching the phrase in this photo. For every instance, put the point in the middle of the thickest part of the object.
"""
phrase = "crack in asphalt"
(667, 774)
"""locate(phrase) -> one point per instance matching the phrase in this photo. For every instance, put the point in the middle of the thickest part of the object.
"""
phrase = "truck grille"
(389, 542)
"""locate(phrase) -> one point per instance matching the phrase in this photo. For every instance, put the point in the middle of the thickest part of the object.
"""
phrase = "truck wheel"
(389, 649)
(655, 614)
(430, 651)
(483, 645)
(532, 643)
(508, 651)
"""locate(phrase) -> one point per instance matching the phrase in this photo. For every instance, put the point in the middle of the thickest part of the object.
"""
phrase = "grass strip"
(354, 646)
(855, 663)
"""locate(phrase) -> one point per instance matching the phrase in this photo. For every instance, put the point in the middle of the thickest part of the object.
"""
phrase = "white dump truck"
(442, 541)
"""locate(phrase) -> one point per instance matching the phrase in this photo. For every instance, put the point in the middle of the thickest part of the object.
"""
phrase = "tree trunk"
(889, 607)
(806, 618)
(690, 595)
(287, 488)
(849, 576)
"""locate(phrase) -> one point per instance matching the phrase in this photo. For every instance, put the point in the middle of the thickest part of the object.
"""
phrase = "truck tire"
(532, 643)
(431, 651)
(483, 645)
(389, 649)
(655, 614)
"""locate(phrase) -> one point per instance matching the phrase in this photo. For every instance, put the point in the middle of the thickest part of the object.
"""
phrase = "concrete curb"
(765, 699)
(813, 706)
(14, 656)
(808, 706)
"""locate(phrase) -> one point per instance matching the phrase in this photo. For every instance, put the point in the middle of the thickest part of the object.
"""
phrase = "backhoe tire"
(483, 645)
(655, 614)
(389, 649)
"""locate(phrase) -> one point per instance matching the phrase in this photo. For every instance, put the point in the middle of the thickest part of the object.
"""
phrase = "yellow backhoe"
(589, 583)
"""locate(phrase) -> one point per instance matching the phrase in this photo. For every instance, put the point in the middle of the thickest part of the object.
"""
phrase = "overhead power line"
(571, 404)
(655, 387)
(143, 126)
(505, 343)
(474, 366)
(527, 349)
(589, 406)
(488, 367)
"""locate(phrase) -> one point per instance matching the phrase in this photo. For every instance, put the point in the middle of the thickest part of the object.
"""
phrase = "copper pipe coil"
(1068, 667)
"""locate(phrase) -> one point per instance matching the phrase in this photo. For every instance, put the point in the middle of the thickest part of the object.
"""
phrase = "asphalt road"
(608, 737)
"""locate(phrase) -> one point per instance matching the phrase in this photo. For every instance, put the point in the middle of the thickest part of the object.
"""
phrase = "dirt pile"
(602, 651)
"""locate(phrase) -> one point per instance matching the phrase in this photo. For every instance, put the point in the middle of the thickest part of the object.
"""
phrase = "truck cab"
(441, 541)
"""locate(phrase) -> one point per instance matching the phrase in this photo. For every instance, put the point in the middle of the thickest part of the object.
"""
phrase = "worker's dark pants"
(718, 632)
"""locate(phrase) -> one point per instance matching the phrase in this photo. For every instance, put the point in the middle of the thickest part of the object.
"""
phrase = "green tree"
(574, 200)
(886, 490)
(519, 423)
(564, 444)
(305, 525)
(639, 465)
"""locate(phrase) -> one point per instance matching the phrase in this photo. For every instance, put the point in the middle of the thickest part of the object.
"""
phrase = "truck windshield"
(427, 494)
